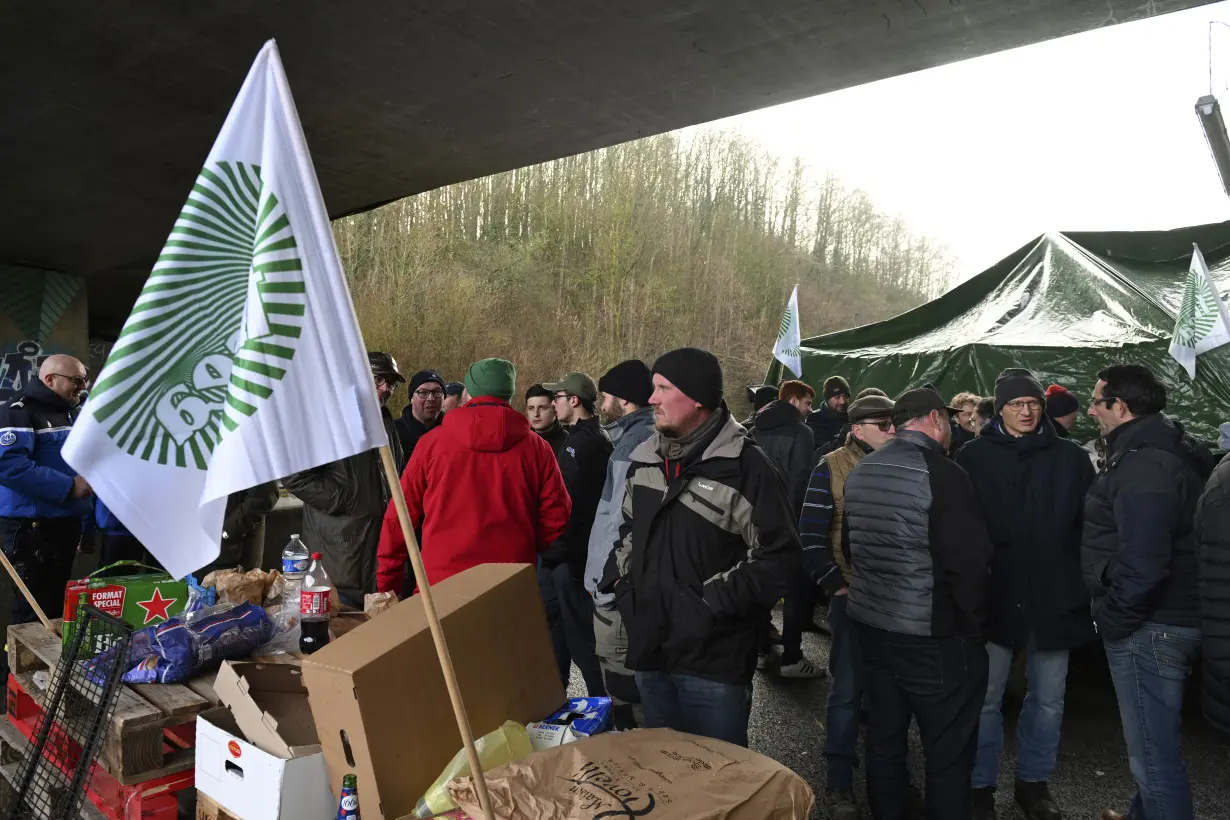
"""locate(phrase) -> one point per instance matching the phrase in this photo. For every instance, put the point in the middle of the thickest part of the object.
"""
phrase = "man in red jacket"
(483, 488)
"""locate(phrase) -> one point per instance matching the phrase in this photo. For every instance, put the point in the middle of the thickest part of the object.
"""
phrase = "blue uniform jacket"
(35, 481)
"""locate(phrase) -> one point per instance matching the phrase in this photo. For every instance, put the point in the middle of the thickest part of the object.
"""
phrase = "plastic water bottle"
(315, 607)
(295, 560)
(348, 805)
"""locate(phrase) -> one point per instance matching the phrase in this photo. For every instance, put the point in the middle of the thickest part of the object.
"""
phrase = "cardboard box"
(137, 600)
(259, 758)
(378, 694)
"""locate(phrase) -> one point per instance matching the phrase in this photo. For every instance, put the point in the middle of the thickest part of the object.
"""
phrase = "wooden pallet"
(207, 809)
(136, 746)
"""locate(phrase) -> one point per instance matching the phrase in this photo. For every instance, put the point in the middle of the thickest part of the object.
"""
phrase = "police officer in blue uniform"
(43, 502)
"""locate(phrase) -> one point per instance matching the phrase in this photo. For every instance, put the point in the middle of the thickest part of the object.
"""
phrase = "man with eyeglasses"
(824, 562)
(1031, 483)
(919, 555)
(582, 462)
(424, 412)
(344, 502)
(43, 502)
(1140, 561)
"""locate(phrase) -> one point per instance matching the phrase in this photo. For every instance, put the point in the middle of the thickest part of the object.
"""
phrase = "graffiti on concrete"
(18, 366)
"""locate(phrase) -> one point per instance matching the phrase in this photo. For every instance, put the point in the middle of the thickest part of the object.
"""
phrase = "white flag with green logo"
(1202, 323)
(790, 337)
(242, 361)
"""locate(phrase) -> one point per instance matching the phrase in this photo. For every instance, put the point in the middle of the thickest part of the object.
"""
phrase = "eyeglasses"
(560, 397)
(883, 425)
(1109, 400)
(78, 381)
(1021, 405)
(429, 394)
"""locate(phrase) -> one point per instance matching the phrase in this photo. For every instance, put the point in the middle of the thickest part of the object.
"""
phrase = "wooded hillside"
(628, 252)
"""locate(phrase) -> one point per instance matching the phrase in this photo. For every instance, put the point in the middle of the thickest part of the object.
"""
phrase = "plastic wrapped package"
(174, 651)
(507, 744)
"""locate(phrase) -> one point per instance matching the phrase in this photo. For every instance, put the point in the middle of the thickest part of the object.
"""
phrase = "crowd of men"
(948, 538)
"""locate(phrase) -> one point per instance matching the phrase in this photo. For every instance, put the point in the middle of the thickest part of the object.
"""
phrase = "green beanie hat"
(492, 377)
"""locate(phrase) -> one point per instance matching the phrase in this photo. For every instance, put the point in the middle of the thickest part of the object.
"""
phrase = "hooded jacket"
(1032, 492)
(789, 443)
(35, 481)
(410, 430)
(582, 463)
(1138, 547)
(343, 505)
(707, 545)
(483, 489)
(1213, 532)
(826, 425)
(627, 434)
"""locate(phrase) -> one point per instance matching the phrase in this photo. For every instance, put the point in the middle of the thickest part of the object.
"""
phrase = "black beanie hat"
(835, 386)
(696, 372)
(630, 381)
(1060, 401)
(1017, 383)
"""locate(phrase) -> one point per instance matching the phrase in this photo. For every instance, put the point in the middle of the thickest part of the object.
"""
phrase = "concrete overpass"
(108, 111)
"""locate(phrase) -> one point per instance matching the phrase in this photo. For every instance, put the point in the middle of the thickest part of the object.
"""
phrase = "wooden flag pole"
(437, 633)
(25, 590)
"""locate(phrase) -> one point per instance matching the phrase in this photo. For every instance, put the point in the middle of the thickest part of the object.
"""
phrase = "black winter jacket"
(826, 425)
(708, 544)
(790, 444)
(555, 435)
(1032, 492)
(582, 463)
(410, 430)
(1138, 548)
(1213, 532)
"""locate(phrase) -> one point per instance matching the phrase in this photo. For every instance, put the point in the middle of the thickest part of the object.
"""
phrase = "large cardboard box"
(378, 695)
(258, 758)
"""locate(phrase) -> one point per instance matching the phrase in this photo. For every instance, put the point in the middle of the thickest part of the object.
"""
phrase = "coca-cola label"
(314, 602)
(290, 565)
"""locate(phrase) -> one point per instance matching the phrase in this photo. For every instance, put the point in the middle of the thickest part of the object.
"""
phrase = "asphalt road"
(788, 725)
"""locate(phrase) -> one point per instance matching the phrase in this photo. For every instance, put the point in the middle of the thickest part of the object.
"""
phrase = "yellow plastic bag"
(507, 744)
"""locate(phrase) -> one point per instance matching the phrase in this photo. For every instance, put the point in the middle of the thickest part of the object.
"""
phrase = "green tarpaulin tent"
(1064, 306)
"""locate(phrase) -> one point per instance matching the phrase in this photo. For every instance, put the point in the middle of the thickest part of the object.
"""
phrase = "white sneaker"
(802, 668)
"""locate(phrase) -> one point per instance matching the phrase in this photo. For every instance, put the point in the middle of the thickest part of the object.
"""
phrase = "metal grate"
(77, 709)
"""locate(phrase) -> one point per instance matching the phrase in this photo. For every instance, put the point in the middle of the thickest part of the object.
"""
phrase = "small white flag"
(790, 337)
(242, 361)
(1202, 324)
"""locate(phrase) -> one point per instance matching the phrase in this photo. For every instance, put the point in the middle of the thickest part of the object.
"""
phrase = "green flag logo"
(215, 327)
(787, 320)
(1198, 312)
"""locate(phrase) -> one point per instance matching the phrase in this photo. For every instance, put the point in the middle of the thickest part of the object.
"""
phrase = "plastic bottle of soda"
(348, 805)
(315, 606)
(295, 560)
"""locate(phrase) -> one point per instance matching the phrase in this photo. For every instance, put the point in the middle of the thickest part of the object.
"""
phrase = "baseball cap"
(575, 384)
(454, 389)
(917, 402)
(384, 365)
(870, 407)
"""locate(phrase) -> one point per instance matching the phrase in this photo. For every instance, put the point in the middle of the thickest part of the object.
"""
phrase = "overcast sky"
(1096, 131)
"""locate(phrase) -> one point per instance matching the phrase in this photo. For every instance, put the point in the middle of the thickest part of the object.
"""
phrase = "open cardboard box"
(259, 758)
(378, 694)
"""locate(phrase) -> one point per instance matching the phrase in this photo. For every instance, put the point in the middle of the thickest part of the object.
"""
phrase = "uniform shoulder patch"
(7, 437)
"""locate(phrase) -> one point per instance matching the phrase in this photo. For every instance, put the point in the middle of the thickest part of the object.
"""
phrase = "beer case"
(138, 600)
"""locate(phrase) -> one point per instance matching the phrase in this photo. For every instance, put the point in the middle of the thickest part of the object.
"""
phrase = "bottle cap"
(294, 536)
(316, 556)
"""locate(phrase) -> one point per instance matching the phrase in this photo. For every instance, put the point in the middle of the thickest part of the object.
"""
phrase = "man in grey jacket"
(626, 389)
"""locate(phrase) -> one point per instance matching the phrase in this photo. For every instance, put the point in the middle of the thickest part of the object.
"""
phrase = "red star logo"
(156, 607)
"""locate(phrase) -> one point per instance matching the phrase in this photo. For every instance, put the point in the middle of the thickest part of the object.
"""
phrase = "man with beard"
(1031, 483)
(344, 501)
(827, 422)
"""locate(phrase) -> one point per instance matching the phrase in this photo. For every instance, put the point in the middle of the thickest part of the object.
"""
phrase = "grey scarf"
(674, 449)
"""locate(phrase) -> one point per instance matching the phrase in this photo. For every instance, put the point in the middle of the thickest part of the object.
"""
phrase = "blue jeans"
(845, 698)
(695, 705)
(1149, 669)
(1037, 731)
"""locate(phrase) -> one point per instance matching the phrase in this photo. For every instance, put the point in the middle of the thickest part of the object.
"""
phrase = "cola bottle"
(315, 607)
